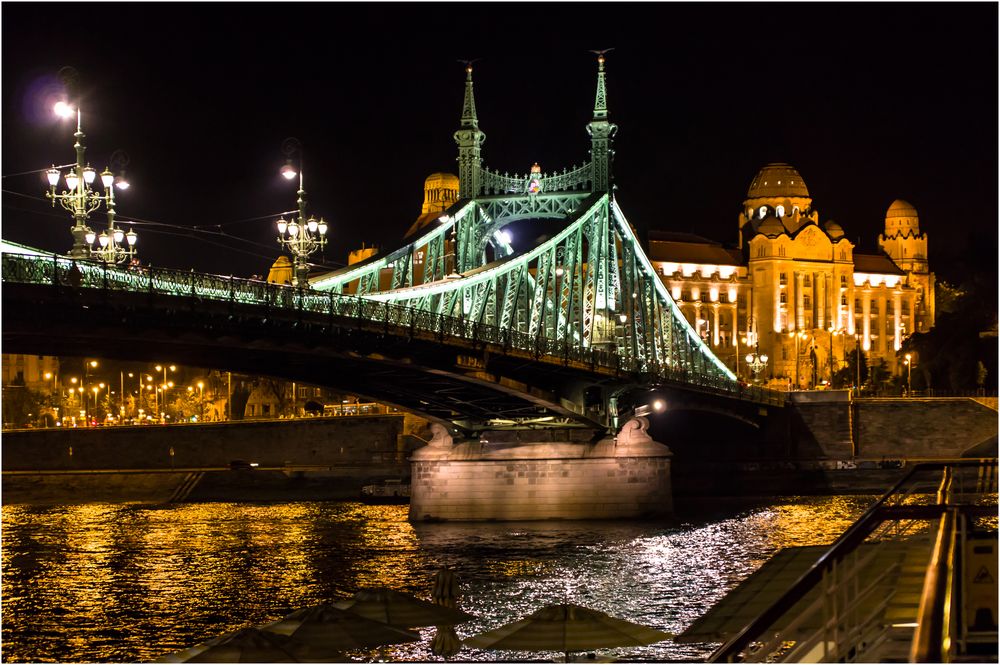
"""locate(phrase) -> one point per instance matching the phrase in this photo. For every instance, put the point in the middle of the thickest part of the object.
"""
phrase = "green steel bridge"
(566, 332)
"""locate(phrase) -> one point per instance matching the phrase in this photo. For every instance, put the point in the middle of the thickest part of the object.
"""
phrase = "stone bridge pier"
(536, 478)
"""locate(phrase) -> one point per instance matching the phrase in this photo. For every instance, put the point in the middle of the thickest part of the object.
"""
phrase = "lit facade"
(794, 288)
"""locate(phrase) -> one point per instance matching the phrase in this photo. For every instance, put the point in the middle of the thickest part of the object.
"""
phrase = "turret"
(601, 135)
(470, 140)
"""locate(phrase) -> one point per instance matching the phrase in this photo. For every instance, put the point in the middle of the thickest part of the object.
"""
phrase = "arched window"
(780, 210)
(762, 211)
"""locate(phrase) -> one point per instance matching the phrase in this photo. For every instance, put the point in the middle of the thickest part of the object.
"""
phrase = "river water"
(129, 582)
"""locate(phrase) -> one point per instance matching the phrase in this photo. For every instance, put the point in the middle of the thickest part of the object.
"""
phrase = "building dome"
(441, 180)
(834, 230)
(776, 181)
(771, 226)
(281, 271)
(900, 208)
(901, 220)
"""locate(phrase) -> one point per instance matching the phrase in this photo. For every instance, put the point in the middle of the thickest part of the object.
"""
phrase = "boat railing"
(847, 617)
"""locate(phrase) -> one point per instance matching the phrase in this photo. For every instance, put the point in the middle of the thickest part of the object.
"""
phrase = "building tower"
(907, 247)
(602, 134)
(470, 141)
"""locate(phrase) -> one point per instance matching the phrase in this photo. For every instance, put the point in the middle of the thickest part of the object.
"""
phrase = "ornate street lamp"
(81, 198)
(301, 236)
(756, 362)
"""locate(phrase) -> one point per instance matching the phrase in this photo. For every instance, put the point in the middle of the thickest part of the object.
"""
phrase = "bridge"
(454, 324)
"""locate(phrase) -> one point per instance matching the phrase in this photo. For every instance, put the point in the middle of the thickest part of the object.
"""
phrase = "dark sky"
(870, 102)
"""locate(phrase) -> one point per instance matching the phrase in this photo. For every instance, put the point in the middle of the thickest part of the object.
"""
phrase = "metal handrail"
(64, 272)
(847, 541)
(932, 640)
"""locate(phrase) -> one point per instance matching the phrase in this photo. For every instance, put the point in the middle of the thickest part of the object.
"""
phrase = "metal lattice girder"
(676, 355)
(612, 299)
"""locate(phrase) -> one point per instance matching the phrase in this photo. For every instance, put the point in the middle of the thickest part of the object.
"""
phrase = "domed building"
(440, 192)
(795, 290)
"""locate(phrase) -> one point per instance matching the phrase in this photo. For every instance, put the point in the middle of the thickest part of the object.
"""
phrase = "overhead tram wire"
(196, 231)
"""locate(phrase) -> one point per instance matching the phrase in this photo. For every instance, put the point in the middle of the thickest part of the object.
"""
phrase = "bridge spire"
(601, 133)
(470, 140)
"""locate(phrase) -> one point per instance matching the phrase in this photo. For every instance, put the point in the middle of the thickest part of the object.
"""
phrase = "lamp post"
(301, 236)
(173, 368)
(909, 365)
(833, 333)
(80, 198)
(756, 362)
(857, 361)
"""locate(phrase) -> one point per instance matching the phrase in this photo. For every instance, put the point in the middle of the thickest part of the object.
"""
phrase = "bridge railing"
(63, 272)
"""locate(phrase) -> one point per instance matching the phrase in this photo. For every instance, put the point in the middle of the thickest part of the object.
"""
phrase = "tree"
(21, 405)
(848, 374)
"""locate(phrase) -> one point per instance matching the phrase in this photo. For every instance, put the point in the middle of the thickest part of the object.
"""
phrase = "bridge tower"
(602, 135)
(470, 140)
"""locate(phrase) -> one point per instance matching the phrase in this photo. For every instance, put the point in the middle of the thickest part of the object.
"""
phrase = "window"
(806, 302)
(265, 409)
(906, 307)
(762, 212)
(807, 281)
(784, 298)
(843, 301)
(843, 280)
(889, 309)
(857, 304)
(874, 309)
(782, 278)
(780, 210)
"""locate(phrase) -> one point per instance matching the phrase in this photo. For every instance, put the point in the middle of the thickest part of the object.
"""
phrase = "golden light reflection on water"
(124, 583)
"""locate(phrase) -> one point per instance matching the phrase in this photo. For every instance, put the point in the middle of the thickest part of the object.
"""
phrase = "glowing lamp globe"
(107, 178)
(62, 109)
(53, 176)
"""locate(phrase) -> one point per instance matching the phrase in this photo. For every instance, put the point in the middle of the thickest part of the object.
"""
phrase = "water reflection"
(122, 583)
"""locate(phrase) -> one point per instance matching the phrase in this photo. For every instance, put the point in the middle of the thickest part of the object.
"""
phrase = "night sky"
(870, 102)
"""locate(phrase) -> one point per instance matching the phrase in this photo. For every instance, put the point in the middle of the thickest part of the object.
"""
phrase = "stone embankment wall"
(270, 443)
(301, 459)
(475, 481)
(925, 427)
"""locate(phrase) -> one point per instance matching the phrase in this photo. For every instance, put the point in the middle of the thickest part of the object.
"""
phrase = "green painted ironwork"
(365, 313)
(591, 284)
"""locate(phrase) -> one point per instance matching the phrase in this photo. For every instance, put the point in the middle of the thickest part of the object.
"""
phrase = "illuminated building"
(795, 289)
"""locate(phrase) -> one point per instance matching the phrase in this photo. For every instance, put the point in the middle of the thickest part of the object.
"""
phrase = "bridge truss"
(590, 285)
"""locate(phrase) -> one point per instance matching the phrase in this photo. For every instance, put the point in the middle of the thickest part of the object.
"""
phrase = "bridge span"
(467, 374)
